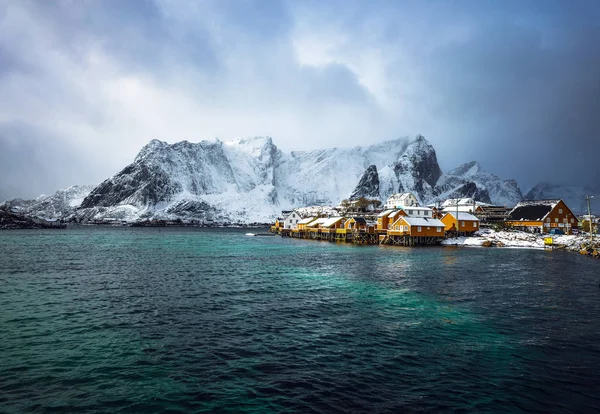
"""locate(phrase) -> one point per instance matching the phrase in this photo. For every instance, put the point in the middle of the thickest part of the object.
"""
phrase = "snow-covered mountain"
(470, 180)
(368, 186)
(244, 180)
(251, 180)
(573, 195)
(63, 203)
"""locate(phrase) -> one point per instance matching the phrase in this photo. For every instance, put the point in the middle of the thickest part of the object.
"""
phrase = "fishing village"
(403, 222)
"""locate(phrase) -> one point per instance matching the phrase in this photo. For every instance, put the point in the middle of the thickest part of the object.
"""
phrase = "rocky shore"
(10, 221)
(517, 239)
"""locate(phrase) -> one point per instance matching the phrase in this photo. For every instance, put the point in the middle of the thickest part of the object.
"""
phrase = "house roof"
(317, 222)
(532, 210)
(416, 208)
(463, 208)
(422, 221)
(359, 220)
(400, 196)
(306, 220)
(395, 213)
(286, 214)
(461, 202)
(385, 213)
(331, 221)
(462, 216)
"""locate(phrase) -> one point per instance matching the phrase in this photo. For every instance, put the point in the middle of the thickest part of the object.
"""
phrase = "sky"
(84, 84)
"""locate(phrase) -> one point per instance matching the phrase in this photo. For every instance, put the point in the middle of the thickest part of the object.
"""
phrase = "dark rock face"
(9, 221)
(368, 186)
(490, 188)
(470, 190)
(418, 170)
(141, 183)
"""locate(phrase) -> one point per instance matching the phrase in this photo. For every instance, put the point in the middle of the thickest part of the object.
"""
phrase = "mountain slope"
(63, 203)
(574, 195)
(237, 181)
(251, 180)
(470, 180)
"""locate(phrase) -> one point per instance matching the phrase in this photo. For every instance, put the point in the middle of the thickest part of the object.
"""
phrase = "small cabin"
(394, 216)
(383, 219)
(541, 216)
(304, 222)
(468, 223)
(332, 224)
(356, 223)
(417, 227)
(291, 220)
(316, 224)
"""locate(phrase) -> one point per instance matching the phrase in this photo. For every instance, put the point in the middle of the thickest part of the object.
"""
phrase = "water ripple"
(180, 320)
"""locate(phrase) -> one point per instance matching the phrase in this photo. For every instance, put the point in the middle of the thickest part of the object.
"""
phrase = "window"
(426, 212)
(405, 228)
(462, 224)
(439, 229)
(548, 220)
(428, 228)
(474, 224)
(560, 211)
(556, 220)
(572, 220)
(410, 211)
(419, 229)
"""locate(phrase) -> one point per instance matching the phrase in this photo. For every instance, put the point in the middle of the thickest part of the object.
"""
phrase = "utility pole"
(588, 198)
(457, 217)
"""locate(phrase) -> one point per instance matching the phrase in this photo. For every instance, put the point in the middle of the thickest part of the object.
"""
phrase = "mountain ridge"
(249, 180)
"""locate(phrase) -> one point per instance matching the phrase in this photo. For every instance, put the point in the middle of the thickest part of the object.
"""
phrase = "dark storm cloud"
(84, 84)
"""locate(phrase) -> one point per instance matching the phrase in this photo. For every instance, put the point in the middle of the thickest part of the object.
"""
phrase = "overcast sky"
(85, 84)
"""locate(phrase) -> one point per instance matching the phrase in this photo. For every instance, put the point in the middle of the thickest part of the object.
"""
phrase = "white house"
(401, 200)
(291, 220)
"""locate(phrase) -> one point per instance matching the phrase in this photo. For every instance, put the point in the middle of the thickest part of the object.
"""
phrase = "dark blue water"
(181, 320)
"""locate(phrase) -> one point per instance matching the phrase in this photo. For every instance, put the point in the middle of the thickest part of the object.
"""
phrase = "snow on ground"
(516, 239)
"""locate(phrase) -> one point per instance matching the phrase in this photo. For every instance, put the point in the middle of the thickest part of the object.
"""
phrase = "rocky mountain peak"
(468, 169)
(368, 186)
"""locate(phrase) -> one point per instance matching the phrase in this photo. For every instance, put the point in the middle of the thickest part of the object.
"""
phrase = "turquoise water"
(180, 320)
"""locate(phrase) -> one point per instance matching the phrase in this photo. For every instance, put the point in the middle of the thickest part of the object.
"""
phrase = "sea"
(177, 320)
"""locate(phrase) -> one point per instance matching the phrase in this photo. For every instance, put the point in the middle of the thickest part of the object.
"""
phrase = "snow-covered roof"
(416, 208)
(317, 222)
(385, 213)
(532, 210)
(400, 196)
(463, 216)
(551, 203)
(285, 216)
(463, 208)
(394, 214)
(331, 221)
(306, 220)
(461, 202)
(422, 221)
